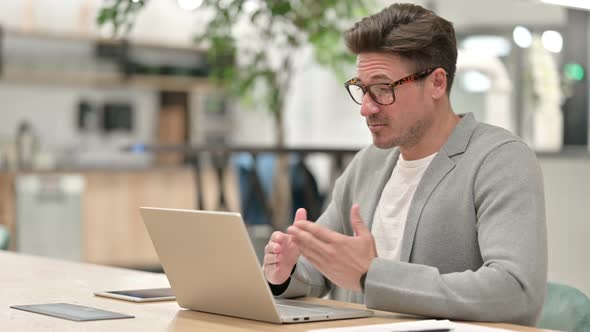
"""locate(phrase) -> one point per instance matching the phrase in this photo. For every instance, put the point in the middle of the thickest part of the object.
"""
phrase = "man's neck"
(433, 139)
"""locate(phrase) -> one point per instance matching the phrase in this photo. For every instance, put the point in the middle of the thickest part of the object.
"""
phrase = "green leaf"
(279, 8)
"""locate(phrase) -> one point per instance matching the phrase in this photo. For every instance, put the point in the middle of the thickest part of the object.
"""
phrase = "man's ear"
(439, 83)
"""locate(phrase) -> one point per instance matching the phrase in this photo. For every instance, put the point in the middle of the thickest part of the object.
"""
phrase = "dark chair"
(566, 309)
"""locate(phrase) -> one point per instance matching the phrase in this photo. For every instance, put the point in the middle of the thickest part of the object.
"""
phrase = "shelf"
(87, 76)
(171, 83)
(160, 82)
(69, 36)
(55, 78)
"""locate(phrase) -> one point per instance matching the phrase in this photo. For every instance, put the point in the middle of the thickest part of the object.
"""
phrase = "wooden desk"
(34, 280)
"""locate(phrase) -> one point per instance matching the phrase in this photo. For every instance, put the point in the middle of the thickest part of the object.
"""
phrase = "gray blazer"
(475, 243)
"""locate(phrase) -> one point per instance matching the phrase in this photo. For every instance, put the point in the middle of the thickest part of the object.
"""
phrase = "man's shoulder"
(487, 138)
(492, 145)
(370, 160)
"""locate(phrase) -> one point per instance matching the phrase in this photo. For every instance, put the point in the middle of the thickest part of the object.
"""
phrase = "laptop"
(212, 267)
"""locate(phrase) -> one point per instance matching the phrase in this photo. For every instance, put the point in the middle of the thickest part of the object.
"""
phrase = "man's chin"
(385, 140)
(384, 145)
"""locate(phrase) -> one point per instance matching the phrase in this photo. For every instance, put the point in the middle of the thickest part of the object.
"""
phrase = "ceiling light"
(552, 41)
(522, 36)
(190, 5)
(580, 4)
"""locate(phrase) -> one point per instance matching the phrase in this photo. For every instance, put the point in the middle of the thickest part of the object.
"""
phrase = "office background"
(78, 140)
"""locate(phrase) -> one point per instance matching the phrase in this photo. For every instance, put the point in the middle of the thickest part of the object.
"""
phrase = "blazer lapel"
(440, 166)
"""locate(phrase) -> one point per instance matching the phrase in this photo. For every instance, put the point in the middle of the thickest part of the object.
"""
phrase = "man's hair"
(410, 31)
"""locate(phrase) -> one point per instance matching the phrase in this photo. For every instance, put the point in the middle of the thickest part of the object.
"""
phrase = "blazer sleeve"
(510, 285)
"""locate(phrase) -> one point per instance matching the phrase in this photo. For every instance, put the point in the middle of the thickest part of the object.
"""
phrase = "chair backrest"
(566, 309)
(4, 238)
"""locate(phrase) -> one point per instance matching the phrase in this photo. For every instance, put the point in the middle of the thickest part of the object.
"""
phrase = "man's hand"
(340, 258)
(281, 254)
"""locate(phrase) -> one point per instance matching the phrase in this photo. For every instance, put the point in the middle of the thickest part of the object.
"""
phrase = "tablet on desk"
(140, 295)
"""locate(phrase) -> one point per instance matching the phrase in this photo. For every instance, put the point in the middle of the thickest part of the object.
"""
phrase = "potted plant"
(252, 46)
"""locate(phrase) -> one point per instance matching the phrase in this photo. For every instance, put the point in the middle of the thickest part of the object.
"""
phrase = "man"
(442, 216)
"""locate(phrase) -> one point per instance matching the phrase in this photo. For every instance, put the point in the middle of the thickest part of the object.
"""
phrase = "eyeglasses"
(382, 93)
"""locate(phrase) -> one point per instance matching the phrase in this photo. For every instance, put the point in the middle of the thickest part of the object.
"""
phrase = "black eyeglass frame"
(410, 78)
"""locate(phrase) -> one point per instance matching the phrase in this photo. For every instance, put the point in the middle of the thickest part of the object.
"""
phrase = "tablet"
(71, 311)
(140, 295)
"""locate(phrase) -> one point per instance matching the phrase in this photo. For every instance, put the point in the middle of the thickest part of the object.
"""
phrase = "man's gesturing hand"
(281, 254)
(342, 259)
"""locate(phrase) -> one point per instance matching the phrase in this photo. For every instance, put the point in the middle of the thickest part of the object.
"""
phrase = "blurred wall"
(52, 110)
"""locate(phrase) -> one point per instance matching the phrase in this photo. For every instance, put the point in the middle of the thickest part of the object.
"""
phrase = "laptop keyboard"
(289, 311)
(289, 308)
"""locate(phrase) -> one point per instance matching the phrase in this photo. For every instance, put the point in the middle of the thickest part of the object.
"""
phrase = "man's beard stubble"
(412, 136)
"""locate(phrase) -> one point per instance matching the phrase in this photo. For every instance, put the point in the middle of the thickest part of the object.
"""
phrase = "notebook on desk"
(212, 267)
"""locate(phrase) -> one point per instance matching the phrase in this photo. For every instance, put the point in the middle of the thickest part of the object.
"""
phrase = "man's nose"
(369, 106)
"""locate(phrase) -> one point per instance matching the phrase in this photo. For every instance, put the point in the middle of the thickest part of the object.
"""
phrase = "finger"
(269, 270)
(301, 214)
(305, 239)
(321, 233)
(356, 222)
(309, 245)
(278, 237)
(272, 248)
(270, 259)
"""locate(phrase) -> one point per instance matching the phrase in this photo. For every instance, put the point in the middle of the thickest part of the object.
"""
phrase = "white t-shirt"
(391, 213)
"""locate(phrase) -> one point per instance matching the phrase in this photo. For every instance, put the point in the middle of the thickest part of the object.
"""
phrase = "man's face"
(404, 122)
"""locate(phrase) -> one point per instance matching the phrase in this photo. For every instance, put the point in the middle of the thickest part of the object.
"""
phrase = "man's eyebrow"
(379, 77)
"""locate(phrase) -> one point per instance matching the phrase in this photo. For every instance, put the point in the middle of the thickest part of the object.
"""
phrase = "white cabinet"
(49, 215)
